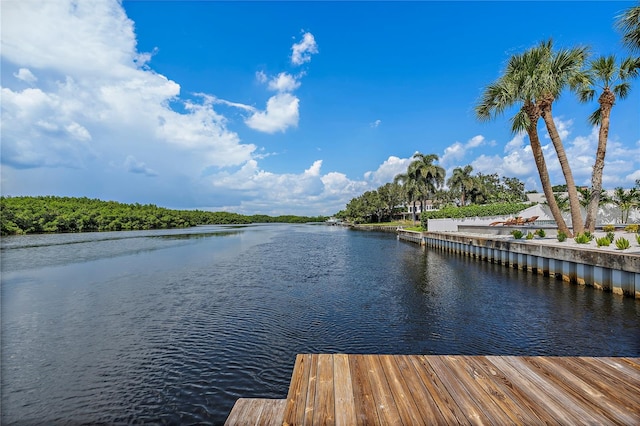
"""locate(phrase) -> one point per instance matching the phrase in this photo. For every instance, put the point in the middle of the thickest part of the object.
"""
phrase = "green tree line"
(49, 214)
(423, 183)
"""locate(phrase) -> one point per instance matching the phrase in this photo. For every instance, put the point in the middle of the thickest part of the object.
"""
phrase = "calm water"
(174, 326)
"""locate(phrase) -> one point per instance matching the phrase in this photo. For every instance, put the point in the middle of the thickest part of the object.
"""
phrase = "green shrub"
(633, 227)
(475, 210)
(540, 233)
(622, 243)
(562, 237)
(529, 235)
(611, 236)
(604, 241)
(517, 234)
(609, 228)
(638, 238)
(589, 235)
(582, 238)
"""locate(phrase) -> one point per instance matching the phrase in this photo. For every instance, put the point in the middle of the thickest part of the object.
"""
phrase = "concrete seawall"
(617, 272)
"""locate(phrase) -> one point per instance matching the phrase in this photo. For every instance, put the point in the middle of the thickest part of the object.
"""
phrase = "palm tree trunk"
(574, 201)
(606, 103)
(414, 213)
(538, 157)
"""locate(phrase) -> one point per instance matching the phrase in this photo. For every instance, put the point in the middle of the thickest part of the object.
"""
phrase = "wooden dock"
(344, 389)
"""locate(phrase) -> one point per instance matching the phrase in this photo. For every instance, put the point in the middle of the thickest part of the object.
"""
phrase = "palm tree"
(629, 23)
(409, 190)
(625, 201)
(586, 195)
(462, 182)
(554, 72)
(613, 81)
(562, 201)
(428, 175)
(518, 86)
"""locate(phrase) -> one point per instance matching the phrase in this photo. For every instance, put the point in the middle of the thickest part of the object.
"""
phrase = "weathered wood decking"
(429, 389)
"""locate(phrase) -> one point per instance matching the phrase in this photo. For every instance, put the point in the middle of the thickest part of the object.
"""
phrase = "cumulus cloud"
(25, 75)
(375, 123)
(284, 82)
(622, 163)
(455, 152)
(281, 113)
(388, 170)
(94, 92)
(302, 51)
(291, 193)
(562, 126)
(282, 110)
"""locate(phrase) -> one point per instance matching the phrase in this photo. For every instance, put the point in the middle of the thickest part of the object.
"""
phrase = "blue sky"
(281, 107)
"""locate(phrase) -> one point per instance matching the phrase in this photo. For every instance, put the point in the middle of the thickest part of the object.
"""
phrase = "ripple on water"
(174, 330)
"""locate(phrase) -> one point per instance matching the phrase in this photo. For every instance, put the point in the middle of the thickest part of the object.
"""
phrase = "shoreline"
(605, 269)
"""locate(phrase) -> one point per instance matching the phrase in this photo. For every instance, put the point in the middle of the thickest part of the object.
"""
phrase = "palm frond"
(629, 23)
(630, 68)
(520, 122)
(596, 117)
(586, 94)
(622, 90)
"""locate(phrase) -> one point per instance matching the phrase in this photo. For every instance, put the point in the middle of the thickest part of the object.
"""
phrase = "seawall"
(613, 271)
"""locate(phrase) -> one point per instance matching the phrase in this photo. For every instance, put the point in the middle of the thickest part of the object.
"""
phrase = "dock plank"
(385, 405)
(364, 402)
(257, 411)
(324, 404)
(343, 389)
(426, 405)
(448, 406)
(345, 412)
(445, 368)
(297, 397)
(504, 392)
(403, 399)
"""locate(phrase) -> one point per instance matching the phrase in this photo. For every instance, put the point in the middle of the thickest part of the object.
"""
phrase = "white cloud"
(284, 82)
(516, 143)
(291, 193)
(261, 77)
(388, 170)
(281, 113)
(375, 123)
(562, 126)
(301, 52)
(25, 75)
(95, 95)
(622, 162)
(86, 37)
(457, 151)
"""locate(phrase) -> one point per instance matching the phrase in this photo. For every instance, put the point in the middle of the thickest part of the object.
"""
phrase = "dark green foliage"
(529, 235)
(29, 215)
(540, 233)
(517, 234)
(611, 236)
(474, 210)
(562, 237)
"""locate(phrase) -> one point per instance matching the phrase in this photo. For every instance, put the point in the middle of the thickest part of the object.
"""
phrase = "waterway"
(173, 326)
